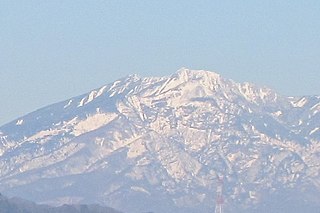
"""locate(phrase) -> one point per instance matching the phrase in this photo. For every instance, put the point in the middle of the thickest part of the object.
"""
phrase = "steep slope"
(161, 144)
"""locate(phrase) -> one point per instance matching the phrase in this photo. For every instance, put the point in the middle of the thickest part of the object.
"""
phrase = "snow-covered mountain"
(163, 144)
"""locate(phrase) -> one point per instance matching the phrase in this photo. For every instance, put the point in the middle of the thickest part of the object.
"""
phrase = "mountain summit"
(166, 144)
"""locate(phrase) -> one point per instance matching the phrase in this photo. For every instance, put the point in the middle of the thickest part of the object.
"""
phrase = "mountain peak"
(187, 74)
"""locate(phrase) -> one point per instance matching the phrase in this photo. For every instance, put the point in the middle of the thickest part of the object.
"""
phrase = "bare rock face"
(162, 143)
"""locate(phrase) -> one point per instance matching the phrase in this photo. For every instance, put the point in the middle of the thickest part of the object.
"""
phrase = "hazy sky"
(51, 50)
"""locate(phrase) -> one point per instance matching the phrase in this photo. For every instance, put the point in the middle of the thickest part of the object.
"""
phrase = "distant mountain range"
(166, 144)
(17, 205)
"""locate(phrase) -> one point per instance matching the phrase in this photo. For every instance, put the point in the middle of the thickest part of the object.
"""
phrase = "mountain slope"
(161, 144)
(17, 205)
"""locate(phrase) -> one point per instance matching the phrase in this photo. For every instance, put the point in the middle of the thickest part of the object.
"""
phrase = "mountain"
(17, 205)
(167, 144)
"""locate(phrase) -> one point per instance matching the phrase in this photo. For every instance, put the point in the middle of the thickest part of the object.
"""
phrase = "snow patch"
(300, 103)
(19, 122)
(140, 189)
(81, 102)
(68, 104)
(101, 90)
(314, 130)
(278, 113)
(315, 109)
(44, 134)
(92, 95)
(316, 106)
(93, 122)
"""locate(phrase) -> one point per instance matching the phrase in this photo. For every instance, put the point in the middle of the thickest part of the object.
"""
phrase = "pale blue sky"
(51, 50)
